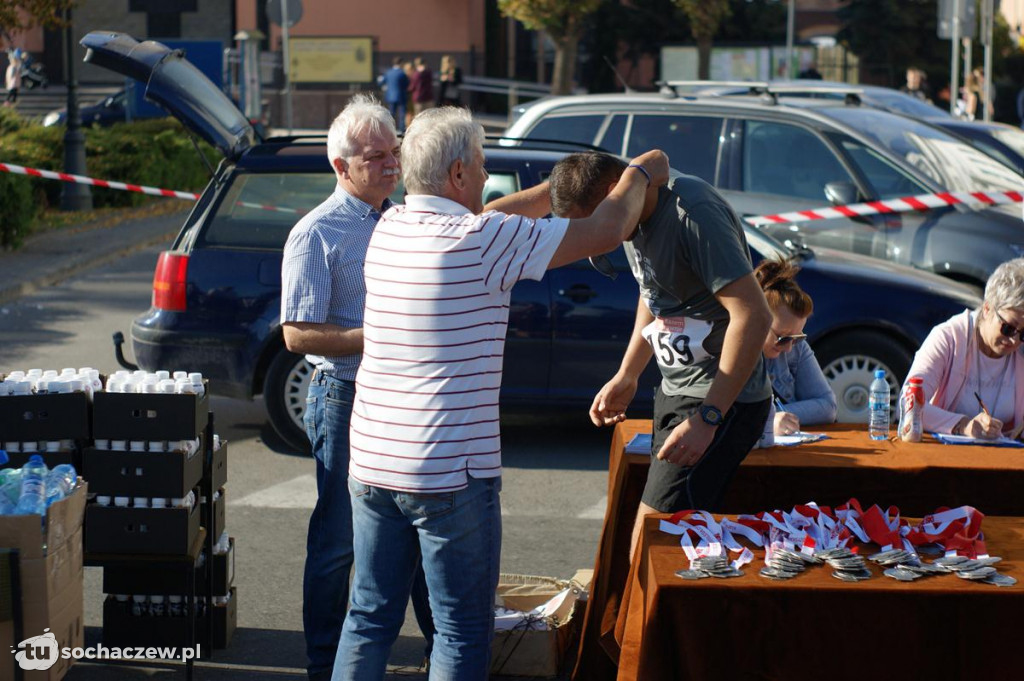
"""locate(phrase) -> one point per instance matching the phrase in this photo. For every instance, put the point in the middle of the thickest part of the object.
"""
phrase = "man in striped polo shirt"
(321, 317)
(426, 456)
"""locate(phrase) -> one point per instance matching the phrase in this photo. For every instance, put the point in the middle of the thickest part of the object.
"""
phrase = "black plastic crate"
(219, 516)
(63, 416)
(141, 474)
(147, 416)
(219, 466)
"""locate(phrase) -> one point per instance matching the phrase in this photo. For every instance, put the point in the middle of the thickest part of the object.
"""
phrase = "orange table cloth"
(916, 477)
(817, 627)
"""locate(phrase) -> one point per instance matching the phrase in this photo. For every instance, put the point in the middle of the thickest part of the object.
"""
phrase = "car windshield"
(1011, 137)
(903, 103)
(954, 165)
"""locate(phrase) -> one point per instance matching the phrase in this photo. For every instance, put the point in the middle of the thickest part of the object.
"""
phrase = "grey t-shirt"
(692, 246)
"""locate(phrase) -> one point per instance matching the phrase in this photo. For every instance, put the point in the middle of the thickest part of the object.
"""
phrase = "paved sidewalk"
(53, 256)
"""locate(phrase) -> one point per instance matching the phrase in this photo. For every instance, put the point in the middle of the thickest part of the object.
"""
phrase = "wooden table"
(915, 477)
(940, 627)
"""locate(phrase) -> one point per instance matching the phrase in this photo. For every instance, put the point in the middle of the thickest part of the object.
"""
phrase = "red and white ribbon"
(108, 184)
(904, 204)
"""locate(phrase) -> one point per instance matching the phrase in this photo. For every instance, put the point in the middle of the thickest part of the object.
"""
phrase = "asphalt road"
(553, 502)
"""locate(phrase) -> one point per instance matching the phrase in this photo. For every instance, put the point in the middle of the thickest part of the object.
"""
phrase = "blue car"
(216, 292)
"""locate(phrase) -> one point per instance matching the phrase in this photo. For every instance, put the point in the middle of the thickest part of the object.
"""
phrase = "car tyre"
(284, 393)
(849, 361)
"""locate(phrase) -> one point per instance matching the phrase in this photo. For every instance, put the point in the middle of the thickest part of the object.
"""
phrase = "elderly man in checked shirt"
(425, 472)
(322, 317)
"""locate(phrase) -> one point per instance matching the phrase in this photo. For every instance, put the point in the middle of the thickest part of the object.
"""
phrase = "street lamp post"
(73, 196)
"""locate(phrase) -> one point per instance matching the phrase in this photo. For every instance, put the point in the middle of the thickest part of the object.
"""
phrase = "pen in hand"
(982, 404)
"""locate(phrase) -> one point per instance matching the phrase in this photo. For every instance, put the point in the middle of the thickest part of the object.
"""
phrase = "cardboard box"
(150, 531)
(141, 474)
(219, 516)
(537, 652)
(161, 580)
(50, 574)
(121, 628)
(44, 417)
(145, 416)
(219, 466)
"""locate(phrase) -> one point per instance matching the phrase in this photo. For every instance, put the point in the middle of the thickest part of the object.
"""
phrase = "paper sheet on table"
(798, 438)
(1003, 441)
(640, 444)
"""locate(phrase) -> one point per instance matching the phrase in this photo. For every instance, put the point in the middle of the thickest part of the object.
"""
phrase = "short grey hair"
(436, 138)
(363, 112)
(1005, 288)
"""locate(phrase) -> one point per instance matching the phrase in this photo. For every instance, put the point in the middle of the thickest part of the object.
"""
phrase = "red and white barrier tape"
(51, 175)
(124, 186)
(921, 202)
(907, 203)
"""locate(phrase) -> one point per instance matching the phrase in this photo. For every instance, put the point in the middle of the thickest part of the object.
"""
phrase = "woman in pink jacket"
(971, 364)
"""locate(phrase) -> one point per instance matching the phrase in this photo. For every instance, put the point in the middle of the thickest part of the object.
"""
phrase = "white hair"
(363, 112)
(1005, 288)
(436, 138)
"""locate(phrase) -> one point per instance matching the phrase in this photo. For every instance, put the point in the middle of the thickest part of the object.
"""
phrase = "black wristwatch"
(711, 415)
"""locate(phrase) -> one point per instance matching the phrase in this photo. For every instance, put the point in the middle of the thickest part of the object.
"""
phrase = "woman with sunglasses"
(971, 365)
(803, 396)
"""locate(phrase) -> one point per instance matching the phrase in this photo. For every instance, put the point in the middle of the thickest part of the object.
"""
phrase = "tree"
(45, 12)
(705, 18)
(563, 21)
(889, 36)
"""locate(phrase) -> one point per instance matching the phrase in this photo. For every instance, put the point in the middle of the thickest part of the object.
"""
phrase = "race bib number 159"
(677, 341)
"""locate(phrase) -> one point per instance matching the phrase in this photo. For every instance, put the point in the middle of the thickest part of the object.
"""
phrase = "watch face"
(711, 415)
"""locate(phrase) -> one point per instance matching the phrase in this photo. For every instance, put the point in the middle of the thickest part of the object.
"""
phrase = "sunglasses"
(603, 264)
(786, 340)
(1009, 330)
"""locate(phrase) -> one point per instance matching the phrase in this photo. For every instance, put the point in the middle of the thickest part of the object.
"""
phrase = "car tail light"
(169, 281)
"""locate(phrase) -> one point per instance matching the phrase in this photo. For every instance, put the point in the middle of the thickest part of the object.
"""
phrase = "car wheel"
(284, 393)
(849, 362)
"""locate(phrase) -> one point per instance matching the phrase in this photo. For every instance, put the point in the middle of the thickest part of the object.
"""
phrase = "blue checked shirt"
(322, 271)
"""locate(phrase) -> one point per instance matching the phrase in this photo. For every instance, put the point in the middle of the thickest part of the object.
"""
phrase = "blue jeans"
(325, 584)
(458, 537)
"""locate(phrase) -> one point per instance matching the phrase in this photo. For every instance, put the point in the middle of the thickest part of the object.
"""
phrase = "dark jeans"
(672, 488)
(325, 584)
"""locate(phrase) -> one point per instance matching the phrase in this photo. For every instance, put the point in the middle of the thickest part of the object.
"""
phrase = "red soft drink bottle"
(911, 409)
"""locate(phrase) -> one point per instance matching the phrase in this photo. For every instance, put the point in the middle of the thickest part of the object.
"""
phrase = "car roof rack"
(539, 142)
(288, 139)
(769, 91)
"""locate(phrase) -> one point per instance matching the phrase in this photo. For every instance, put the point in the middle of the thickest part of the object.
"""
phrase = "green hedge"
(156, 152)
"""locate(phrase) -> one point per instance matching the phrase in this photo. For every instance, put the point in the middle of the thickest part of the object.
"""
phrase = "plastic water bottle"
(59, 482)
(878, 405)
(33, 488)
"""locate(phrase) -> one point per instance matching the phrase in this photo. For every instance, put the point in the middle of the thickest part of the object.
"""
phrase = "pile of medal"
(710, 566)
(846, 565)
(906, 567)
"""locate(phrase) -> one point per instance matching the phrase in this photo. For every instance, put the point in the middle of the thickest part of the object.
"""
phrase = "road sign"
(968, 19)
(275, 11)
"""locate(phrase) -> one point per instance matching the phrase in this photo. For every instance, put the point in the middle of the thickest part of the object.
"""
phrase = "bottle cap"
(179, 374)
(879, 373)
(140, 502)
(121, 502)
(102, 500)
(35, 458)
(30, 446)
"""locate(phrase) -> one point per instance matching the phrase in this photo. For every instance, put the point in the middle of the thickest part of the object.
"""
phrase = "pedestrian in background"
(410, 72)
(322, 293)
(425, 476)
(12, 77)
(396, 89)
(422, 87)
(450, 81)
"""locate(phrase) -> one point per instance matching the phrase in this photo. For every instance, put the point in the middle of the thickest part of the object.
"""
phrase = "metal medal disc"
(978, 573)
(725, 574)
(901, 575)
(691, 574)
(1000, 580)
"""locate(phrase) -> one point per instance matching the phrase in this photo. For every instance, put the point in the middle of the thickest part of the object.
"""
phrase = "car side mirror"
(841, 193)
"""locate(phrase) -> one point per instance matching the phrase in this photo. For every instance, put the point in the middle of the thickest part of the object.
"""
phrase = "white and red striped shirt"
(438, 282)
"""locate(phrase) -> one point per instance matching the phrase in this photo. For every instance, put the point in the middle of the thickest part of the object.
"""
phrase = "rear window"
(258, 210)
(567, 129)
